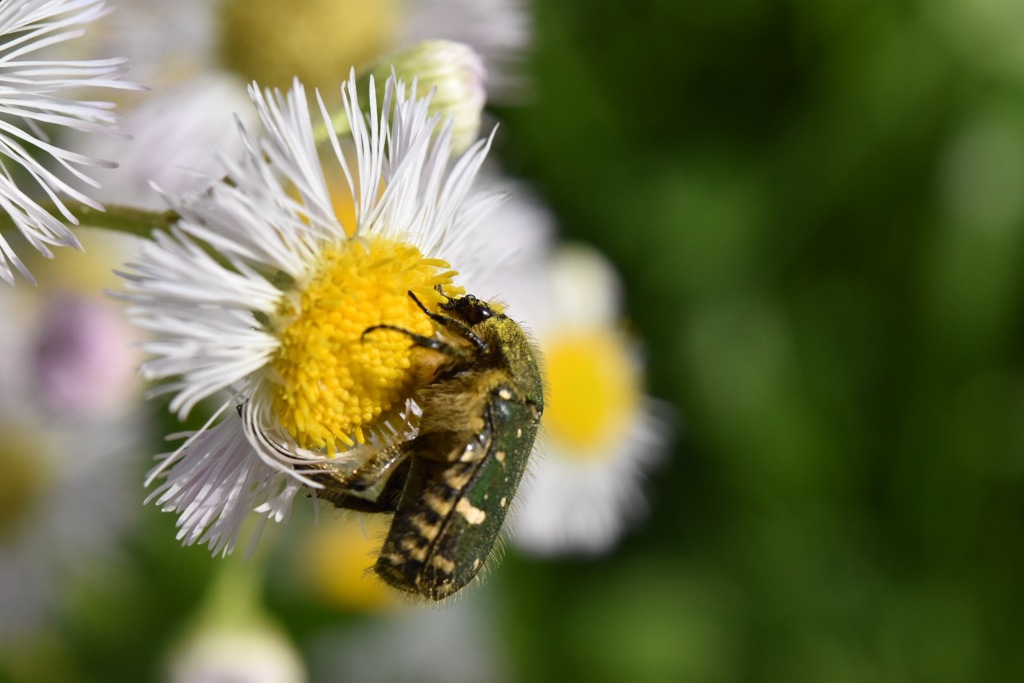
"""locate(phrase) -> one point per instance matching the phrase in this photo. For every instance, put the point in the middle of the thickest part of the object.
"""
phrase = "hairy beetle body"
(451, 486)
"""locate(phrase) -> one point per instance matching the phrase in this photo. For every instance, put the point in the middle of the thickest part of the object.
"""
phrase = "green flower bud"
(454, 69)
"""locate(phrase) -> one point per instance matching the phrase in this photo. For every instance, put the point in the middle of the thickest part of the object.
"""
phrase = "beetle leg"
(386, 500)
(456, 359)
(374, 469)
(417, 339)
(453, 446)
(345, 491)
(377, 467)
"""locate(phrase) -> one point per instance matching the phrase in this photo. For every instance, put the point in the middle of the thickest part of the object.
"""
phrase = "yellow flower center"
(337, 562)
(594, 390)
(332, 381)
(273, 41)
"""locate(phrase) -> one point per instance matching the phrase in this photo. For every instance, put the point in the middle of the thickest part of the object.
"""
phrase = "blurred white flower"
(69, 426)
(600, 434)
(34, 87)
(82, 361)
(67, 498)
(176, 134)
(231, 638)
(273, 41)
(459, 644)
(66, 350)
(500, 30)
(238, 656)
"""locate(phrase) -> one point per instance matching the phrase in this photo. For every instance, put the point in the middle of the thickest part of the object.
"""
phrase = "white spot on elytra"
(504, 501)
(473, 515)
(444, 564)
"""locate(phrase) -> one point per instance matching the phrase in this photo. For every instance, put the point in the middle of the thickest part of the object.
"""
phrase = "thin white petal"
(32, 92)
(216, 482)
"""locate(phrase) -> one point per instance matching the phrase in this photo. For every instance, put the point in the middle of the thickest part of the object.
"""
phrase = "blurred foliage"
(817, 208)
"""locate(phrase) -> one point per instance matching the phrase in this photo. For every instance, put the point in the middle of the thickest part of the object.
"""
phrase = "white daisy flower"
(600, 433)
(32, 97)
(260, 296)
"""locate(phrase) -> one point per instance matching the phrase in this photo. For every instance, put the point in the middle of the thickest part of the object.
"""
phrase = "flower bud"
(455, 70)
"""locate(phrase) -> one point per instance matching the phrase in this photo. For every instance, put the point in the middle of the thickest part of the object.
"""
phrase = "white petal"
(32, 93)
(214, 481)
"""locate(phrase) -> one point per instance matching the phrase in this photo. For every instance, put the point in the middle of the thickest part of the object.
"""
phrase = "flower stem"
(129, 220)
(124, 219)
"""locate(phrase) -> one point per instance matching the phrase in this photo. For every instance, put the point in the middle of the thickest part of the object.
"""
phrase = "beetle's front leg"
(348, 490)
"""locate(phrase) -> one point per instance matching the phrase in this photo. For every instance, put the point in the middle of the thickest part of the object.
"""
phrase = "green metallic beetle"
(451, 486)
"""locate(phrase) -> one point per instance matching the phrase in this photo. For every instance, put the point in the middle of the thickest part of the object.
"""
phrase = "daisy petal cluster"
(33, 99)
(258, 298)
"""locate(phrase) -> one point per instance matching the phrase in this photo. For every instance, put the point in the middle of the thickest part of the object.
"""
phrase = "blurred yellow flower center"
(318, 41)
(593, 390)
(337, 561)
(330, 381)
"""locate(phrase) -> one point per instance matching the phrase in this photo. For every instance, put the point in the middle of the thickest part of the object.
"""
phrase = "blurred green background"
(817, 207)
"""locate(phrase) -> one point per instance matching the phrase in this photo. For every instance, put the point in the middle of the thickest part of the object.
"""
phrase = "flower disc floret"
(594, 389)
(333, 380)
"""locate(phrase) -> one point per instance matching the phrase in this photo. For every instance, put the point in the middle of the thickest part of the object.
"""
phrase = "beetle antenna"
(451, 323)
